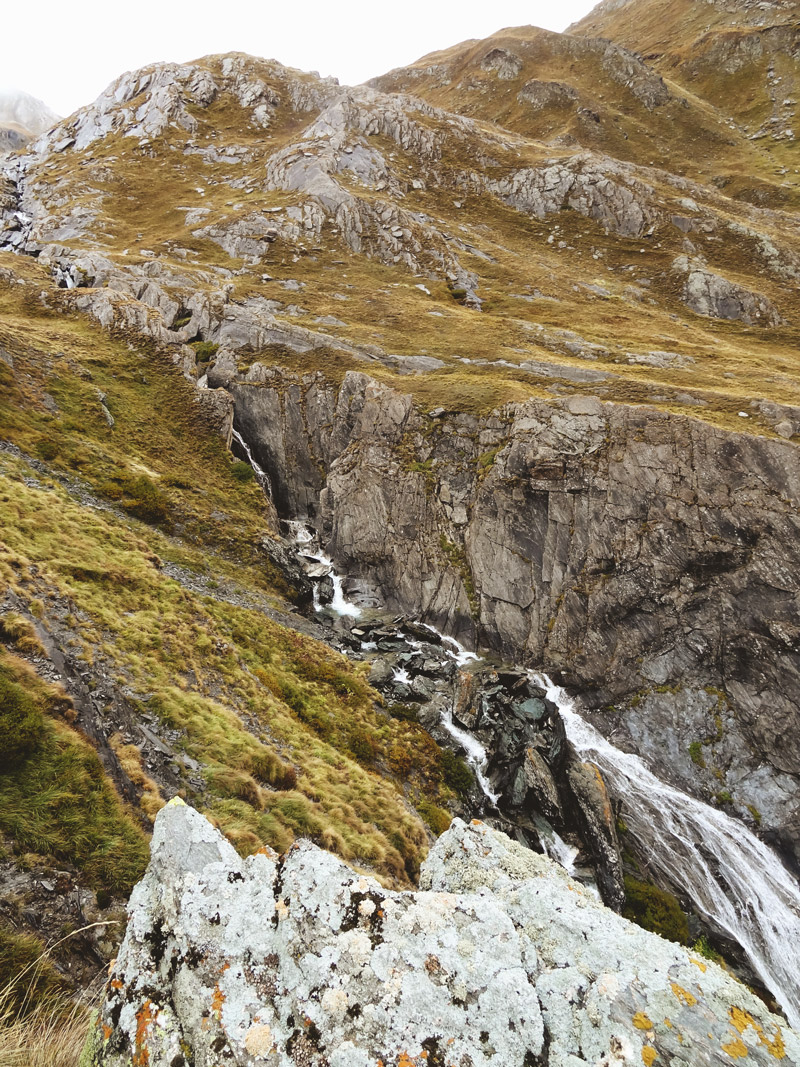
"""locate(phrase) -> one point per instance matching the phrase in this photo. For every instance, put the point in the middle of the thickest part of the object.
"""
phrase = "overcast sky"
(70, 52)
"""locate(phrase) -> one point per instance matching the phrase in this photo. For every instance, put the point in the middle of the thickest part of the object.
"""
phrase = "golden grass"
(40, 1024)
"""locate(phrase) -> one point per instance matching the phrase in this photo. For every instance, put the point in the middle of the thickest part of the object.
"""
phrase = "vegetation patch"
(655, 909)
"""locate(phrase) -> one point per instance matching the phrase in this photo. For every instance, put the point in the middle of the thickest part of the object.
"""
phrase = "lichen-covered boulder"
(501, 960)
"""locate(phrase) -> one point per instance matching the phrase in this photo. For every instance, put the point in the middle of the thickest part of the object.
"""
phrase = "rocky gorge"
(638, 556)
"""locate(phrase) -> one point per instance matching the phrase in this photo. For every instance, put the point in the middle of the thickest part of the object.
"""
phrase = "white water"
(476, 754)
(461, 655)
(340, 604)
(400, 674)
(732, 878)
(557, 849)
(261, 475)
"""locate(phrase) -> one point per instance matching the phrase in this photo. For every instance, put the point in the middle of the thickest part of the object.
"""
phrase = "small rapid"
(339, 602)
(732, 877)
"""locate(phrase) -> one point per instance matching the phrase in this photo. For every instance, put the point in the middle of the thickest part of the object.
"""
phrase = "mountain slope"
(742, 57)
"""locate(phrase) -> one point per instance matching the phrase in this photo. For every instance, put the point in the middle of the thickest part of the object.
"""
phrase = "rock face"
(500, 959)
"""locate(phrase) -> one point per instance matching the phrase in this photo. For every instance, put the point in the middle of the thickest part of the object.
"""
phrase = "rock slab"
(500, 959)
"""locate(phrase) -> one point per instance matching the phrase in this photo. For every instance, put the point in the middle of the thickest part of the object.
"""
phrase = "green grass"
(55, 799)
(290, 737)
(655, 910)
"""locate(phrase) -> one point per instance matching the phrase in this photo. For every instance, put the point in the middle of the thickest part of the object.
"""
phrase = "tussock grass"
(55, 799)
(287, 733)
(40, 1024)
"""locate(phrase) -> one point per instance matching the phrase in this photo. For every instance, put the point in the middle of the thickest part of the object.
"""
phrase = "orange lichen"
(699, 963)
(144, 1018)
(404, 1060)
(741, 1020)
(649, 1055)
(217, 1000)
(668, 1022)
(107, 1031)
(683, 995)
(642, 1022)
(736, 1049)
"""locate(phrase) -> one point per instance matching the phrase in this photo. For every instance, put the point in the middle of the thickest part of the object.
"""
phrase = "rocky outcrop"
(501, 958)
(594, 186)
(506, 65)
(710, 294)
(635, 551)
(540, 94)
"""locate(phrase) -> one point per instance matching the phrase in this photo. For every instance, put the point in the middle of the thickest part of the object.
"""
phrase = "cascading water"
(339, 602)
(261, 475)
(733, 879)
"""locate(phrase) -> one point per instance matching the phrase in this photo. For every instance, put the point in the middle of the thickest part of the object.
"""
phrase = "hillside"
(509, 338)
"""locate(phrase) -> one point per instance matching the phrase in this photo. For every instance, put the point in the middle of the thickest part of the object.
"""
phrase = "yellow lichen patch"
(404, 1060)
(683, 995)
(741, 1020)
(649, 1055)
(642, 1022)
(668, 1023)
(736, 1049)
(699, 963)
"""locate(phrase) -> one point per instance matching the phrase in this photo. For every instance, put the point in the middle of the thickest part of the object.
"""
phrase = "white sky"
(74, 50)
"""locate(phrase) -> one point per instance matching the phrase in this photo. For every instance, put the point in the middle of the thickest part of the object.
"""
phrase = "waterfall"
(261, 475)
(476, 754)
(731, 876)
(733, 879)
(339, 602)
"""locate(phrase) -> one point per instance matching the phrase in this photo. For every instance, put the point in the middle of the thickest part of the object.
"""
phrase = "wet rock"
(381, 673)
(500, 958)
(283, 556)
(594, 814)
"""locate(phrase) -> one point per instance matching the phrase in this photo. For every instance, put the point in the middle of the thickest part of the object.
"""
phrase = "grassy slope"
(289, 736)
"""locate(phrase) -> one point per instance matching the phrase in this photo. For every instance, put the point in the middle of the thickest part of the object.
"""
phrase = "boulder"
(501, 959)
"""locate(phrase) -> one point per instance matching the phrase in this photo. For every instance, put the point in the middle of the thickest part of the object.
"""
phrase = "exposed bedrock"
(650, 558)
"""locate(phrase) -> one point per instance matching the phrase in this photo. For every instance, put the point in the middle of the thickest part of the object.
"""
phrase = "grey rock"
(710, 294)
(506, 65)
(500, 958)
(541, 94)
